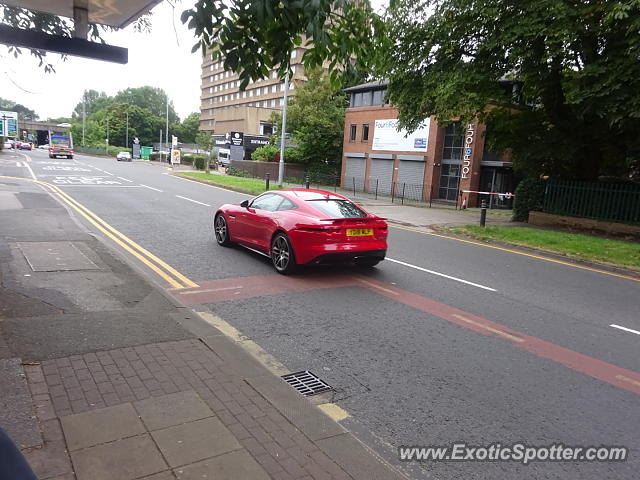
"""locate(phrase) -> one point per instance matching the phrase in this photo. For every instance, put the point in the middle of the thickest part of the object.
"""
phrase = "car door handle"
(232, 216)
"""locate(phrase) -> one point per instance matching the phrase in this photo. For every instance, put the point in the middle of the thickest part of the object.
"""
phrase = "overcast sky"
(155, 59)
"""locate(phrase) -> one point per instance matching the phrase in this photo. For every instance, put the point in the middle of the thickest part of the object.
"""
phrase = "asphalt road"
(503, 348)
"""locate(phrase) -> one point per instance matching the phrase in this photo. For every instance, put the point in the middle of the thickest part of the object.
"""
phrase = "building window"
(357, 99)
(274, 74)
(282, 102)
(251, 93)
(352, 133)
(292, 86)
(265, 90)
(453, 139)
(378, 97)
(366, 99)
(273, 102)
(293, 69)
(365, 132)
(274, 88)
(293, 54)
(449, 180)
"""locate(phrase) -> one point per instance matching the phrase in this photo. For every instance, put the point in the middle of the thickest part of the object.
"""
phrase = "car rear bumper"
(347, 257)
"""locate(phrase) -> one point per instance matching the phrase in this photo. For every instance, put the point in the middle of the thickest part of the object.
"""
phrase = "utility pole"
(160, 148)
(127, 134)
(284, 131)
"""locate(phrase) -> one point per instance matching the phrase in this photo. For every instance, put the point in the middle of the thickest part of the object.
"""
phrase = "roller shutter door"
(410, 173)
(354, 173)
(382, 171)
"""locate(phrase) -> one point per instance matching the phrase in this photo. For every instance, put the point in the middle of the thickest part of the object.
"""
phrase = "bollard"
(267, 180)
(376, 188)
(483, 213)
(404, 184)
(306, 182)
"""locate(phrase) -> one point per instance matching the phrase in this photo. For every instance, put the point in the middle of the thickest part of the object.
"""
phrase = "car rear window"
(336, 208)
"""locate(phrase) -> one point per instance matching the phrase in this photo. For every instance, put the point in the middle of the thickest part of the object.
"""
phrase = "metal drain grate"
(306, 383)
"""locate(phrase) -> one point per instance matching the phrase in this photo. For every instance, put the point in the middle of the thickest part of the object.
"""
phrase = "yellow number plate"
(359, 232)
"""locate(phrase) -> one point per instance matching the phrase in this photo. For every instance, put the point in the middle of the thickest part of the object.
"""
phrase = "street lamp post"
(127, 134)
(166, 135)
(107, 144)
(84, 98)
(284, 130)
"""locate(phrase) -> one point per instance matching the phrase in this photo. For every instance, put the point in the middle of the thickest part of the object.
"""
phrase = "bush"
(198, 161)
(265, 153)
(529, 196)
(293, 155)
(237, 172)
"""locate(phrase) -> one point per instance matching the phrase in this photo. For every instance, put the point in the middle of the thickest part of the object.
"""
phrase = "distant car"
(123, 156)
(299, 226)
(43, 147)
(24, 146)
(8, 145)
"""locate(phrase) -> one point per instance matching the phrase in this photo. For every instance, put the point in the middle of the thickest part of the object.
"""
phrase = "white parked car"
(123, 156)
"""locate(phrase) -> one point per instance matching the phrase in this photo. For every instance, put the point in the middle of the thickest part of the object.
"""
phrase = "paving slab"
(195, 441)
(91, 428)
(55, 257)
(230, 466)
(173, 409)
(16, 413)
(126, 459)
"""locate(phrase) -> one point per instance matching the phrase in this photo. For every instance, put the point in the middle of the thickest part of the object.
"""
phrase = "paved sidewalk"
(103, 377)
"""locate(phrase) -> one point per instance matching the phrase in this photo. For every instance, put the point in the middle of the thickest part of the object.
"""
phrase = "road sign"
(9, 124)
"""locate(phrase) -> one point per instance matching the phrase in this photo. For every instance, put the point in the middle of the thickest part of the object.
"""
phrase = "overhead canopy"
(115, 13)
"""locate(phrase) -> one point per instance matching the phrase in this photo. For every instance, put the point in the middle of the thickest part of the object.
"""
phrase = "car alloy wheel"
(282, 254)
(221, 230)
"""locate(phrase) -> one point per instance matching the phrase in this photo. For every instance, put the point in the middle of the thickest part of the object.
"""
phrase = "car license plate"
(359, 232)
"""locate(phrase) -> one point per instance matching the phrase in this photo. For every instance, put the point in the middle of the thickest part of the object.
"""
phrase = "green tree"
(93, 101)
(315, 118)
(24, 113)
(187, 130)
(152, 98)
(560, 77)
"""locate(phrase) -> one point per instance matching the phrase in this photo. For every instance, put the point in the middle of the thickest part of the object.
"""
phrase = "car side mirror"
(245, 204)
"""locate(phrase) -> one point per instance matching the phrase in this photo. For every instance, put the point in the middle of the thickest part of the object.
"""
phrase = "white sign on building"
(387, 136)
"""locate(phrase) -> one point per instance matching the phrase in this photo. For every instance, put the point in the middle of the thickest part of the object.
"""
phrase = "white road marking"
(441, 274)
(33, 175)
(108, 173)
(151, 188)
(625, 329)
(126, 179)
(192, 200)
(18, 164)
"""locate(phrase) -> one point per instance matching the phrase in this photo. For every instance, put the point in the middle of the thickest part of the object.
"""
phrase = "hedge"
(529, 195)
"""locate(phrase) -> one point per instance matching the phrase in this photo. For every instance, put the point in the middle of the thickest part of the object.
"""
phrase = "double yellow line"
(164, 270)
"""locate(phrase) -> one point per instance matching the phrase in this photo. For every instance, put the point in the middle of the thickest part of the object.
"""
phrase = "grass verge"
(239, 184)
(574, 245)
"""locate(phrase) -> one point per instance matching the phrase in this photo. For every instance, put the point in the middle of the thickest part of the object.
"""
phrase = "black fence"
(397, 192)
(618, 202)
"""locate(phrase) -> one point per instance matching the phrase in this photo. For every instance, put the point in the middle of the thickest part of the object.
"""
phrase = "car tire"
(367, 262)
(221, 230)
(282, 255)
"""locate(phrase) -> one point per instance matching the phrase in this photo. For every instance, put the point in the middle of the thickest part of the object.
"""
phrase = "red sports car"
(303, 226)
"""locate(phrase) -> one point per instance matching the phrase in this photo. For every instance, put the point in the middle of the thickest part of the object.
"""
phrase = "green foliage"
(255, 37)
(237, 172)
(187, 130)
(198, 161)
(24, 113)
(205, 141)
(573, 66)
(529, 195)
(266, 153)
(316, 119)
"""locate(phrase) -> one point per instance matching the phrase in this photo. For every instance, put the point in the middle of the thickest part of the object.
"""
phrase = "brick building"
(431, 163)
(224, 108)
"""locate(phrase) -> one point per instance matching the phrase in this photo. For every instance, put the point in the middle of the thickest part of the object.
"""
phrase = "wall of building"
(242, 119)
(432, 174)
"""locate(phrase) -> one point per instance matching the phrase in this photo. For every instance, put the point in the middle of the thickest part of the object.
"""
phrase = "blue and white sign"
(387, 136)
